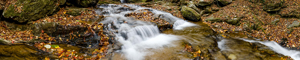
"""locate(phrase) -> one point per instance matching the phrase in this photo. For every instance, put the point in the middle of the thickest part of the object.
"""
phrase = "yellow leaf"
(199, 51)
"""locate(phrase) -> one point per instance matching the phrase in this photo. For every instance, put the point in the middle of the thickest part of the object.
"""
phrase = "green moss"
(28, 10)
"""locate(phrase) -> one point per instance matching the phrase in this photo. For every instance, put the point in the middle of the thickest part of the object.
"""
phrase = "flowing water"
(142, 40)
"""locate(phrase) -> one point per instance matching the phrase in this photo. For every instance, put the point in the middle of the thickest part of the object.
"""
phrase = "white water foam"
(279, 49)
(137, 51)
(221, 44)
(138, 36)
(180, 24)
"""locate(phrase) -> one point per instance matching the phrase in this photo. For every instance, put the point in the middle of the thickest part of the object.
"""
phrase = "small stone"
(232, 57)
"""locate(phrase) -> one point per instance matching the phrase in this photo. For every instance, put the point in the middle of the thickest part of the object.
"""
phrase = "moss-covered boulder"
(190, 14)
(28, 10)
(203, 2)
(272, 5)
(83, 3)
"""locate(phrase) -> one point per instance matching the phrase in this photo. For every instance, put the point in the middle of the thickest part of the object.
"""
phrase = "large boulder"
(28, 10)
(190, 14)
(203, 2)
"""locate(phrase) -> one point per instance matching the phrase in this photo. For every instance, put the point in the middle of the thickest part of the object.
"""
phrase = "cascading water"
(279, 49)
(138, 36)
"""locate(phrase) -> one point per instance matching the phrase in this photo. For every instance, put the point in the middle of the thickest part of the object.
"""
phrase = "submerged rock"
(28, 10)
(190, 14)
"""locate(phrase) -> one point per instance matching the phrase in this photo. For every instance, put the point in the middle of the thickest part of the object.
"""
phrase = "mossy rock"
(190, 14)
(28, 10)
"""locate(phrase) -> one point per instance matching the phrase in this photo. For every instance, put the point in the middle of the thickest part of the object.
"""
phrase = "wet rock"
(272, 5)
(190, 14)
(274, 22)
(294, 24)
(75, 11)
(83, 3)
(203, 2)
(225, 2)
(234, 21)
(28, 10)
(212, 19)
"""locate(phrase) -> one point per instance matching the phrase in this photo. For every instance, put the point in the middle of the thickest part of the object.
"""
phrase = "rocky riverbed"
(149, 30)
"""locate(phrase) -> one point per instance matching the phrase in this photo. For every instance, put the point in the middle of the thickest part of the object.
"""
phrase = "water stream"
(143, 40)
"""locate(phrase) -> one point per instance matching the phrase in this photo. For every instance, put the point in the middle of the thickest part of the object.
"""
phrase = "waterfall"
(141, 33)
(135, 35)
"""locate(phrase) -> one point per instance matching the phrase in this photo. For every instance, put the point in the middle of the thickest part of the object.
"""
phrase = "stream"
(142, 40)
